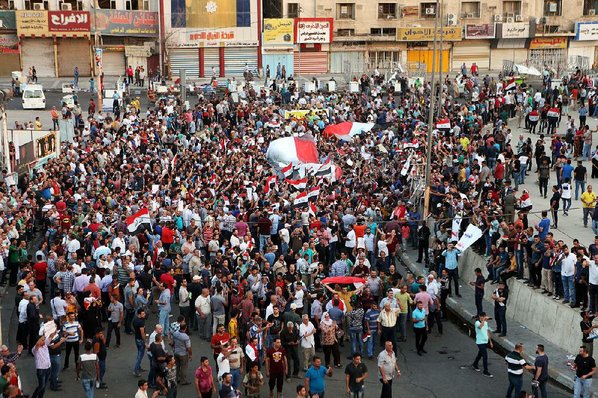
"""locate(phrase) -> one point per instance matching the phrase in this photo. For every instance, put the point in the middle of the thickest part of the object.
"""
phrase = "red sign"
(69, 21)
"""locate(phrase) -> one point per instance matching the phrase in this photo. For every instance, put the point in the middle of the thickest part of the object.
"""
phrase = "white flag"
(471, 235)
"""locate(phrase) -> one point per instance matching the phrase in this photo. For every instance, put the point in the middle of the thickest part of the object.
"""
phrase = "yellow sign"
(548, 42)
(450, 33)
(303, 113)
(32, 23)
(278, 31)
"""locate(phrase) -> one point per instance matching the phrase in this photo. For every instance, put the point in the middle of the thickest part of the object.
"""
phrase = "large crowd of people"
(175, 212)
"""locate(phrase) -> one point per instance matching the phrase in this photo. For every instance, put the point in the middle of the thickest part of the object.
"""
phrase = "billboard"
(9, 44)
(125, 23)
(68, 21)
(484, 31)
(32, 23)
(450, 33)
(586, 31)
(313, 30)
(278, 31)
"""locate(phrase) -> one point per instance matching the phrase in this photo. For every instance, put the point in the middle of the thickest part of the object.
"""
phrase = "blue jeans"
(358, 393)
(579, 184)
(483, 355)
(263, 242)
(587, 151)
(402, 325)
(356, 341)
(519, 261)
(515, 384)
(582, 388)
(163, 320)
(566, 205)
(595, 227)
(140, 353)
(371, 343)
(88, 387)
(236, 374)
(569, 287)
(43, 377)
(55, 362)
(102, 366)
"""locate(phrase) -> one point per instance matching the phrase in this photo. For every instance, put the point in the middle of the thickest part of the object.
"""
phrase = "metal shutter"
(469, 52)
(348, 62)
(311, 63)
(272, 60)
(235, 59)
(211, 58)
(10, 62)
(184, 58)
(113, 63)
(39, 53)
(135, 61)
(73, 52)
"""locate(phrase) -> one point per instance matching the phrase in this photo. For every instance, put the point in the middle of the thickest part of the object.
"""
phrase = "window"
(552, 8)
(383, 31)
(590, 7)
(293, 10)
(470, 9)
(345, 11)
(384, 59)
(387, 11)
(345, 32)
(511, 9)
(36, 5)
(107, 4)
(428, 10)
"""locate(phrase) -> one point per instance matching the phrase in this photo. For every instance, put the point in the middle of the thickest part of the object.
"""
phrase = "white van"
(33, 97)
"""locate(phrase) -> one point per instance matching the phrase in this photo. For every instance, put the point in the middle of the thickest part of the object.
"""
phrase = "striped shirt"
(72, 328)
(515, 363)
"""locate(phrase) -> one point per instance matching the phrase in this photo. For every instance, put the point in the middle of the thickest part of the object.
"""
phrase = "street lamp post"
(431, 106)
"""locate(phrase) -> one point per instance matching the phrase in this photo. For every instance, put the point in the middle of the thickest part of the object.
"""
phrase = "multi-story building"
(56, 36)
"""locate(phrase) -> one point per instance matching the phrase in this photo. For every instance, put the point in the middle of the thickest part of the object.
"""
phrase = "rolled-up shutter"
(211, 58)
(73, 52)
(113, 63)
(347, 62)
(311, 63)
(184, 58)
(470, 51)
(236, 58)
(273, 60)
(10, 62)
(39, 53)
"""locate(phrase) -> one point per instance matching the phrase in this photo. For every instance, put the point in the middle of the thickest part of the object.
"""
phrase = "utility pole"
(439, 108)
(431, 106)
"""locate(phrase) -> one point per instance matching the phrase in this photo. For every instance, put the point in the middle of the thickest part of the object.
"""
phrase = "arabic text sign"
(548, 42)
(9, 44)
(8, 20)
(278, 31)
(515, 30)
(485, 31)
(68, 21)
(452, 33)
(32, 23)
(586, 31)
(125, 23)
(313, 30)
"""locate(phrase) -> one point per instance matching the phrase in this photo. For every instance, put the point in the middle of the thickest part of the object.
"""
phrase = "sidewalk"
(464, 309)
(55, 84)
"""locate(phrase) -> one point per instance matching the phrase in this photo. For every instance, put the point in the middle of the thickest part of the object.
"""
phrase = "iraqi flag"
(312, 209)
(443, 124)
(270, 183)
(510, 85)
(293, 150)
(554, 112)
(137, 221)
(313, 193)
(347, 130)
(298, 185)
(301, 200)
(287, 170)
(324, 170)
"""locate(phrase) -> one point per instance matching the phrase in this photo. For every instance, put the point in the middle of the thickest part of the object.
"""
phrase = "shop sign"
(8, 20)
(515, 30)
(313, 30)
(9, 44)
(278, 31)
(548, 42)
(586, 31)
(68, 21)
(32, 23)
(450, 33)
(484, 31)
(125, 23)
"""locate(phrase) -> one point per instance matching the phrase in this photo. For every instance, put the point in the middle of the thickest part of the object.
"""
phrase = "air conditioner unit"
(552, 7)
(519, 18)
(510, 19)
(451, 19)
(430, 11)
(498, 18)
(66, 6)
(592, 11)
(38, 6)
(469, 15)
(1, 23)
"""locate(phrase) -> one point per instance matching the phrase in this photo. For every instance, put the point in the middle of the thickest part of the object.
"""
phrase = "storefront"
(236, 59)
(549, 51)
(348, 62)
(71, 32)
(583, 50)
(128, 38)
(184, 59)
(313, 37)
(278, 44)
(37, 46)
(475, 47)
(420, 52)
(9, 44)
(511, 45)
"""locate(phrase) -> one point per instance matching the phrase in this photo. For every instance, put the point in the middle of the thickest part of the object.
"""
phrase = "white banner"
(455, 228)
(471, 235)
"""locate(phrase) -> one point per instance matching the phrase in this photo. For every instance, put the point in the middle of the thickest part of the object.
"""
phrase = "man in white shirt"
(308, 347)
(593, 279)
(22, 331)
(119, 241)
(222, 360)
(568, 275)
(351, 240)
(203, 309)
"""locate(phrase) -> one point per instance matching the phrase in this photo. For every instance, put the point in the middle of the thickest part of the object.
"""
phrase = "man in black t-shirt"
(585, 368)
(580, 177)
(139, 330)
(355, 374)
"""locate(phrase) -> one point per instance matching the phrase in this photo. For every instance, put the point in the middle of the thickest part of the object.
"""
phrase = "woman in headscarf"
(329, 340)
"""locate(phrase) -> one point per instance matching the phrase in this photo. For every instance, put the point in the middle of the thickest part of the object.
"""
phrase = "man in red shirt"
(40, 270)
(276, 367)
(218, 340)
(167, 237)
(168, 279)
